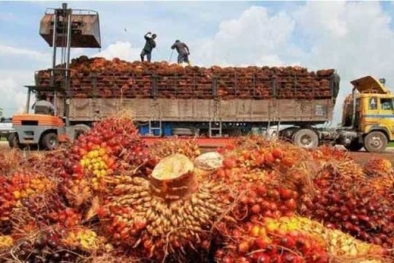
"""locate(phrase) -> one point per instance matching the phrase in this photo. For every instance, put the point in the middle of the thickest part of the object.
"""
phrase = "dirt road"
(362, 157)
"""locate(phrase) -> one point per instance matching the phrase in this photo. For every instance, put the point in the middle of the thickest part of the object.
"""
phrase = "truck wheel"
(49, 141)
(354, 146)
(80, 129)
(306, 138)
(13, 140)
(375, 141)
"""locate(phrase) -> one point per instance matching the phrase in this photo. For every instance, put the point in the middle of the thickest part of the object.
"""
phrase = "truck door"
(369, 114)
(386, 114)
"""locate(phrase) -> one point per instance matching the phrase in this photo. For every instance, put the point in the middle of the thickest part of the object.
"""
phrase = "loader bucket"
(85, 29)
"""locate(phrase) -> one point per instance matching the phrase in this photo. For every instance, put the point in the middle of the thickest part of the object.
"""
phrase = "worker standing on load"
(183, 52)
(43, 106)
(150, 44)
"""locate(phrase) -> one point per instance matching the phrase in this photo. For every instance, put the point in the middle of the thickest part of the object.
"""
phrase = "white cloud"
(7, 17)
(17, 67)
(361, 46)
(247, 38)
(12, 93)
(120, 49)
(318, 19)
(11, 51)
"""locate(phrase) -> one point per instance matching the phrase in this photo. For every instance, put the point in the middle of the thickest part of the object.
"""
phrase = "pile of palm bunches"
(294, 239)
(345, 198)
(153, 204)
(167, 215)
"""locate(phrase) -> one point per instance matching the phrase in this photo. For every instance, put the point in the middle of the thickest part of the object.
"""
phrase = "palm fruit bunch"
(376, 167)
(263, 197)
(338, 243)
(82, 238)
(164, 148)
(47, 230)
(251, 155)
(6, 242)
(168, 214)
(294, 239)
(10, 161)
(257, 169)
(111, 145)
(20, 185)
(46, 245)
(345, 199)
(44, 209)
(382, 185)
(329, 153)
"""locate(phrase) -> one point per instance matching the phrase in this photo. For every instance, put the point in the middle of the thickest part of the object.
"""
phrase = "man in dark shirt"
(183, 52)
(150, 44)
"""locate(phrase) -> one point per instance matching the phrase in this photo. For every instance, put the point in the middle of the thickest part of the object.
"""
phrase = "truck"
(213, 105)
(368, 116)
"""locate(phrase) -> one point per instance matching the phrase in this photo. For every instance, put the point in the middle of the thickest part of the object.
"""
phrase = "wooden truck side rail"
(238, 110)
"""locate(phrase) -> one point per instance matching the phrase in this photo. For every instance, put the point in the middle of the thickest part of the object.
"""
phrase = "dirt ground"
(360, 157)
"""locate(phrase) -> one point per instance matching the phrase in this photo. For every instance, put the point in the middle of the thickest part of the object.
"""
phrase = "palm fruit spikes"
(171, 211)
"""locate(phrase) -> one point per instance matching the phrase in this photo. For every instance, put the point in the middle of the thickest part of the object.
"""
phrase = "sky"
(354, 37)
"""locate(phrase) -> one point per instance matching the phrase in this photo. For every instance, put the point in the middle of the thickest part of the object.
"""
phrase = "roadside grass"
(391, 144)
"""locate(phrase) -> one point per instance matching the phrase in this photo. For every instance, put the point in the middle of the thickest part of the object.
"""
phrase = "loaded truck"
(212, 104)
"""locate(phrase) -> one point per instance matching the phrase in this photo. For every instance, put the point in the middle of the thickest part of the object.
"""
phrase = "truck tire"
(80, 129)
(306, 138)
(49, 141)
(375, 142)
(354, 146)
(13, 140)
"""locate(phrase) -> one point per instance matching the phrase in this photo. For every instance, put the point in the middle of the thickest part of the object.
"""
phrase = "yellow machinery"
(369, 116)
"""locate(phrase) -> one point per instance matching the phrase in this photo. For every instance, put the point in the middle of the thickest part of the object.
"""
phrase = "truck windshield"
(386, 104)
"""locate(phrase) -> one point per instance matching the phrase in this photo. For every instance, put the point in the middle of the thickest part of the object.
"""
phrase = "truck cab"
(372, 116)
